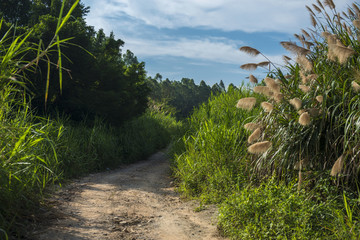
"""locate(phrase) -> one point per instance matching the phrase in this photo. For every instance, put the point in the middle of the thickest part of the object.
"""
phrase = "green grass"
(214, 161)
(38, 152)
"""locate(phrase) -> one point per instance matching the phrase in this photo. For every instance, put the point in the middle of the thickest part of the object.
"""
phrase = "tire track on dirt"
(136, 202)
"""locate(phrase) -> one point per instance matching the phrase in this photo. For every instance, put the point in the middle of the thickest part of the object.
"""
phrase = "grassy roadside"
(285, 165)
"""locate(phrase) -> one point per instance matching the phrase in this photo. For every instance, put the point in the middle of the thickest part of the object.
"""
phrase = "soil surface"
(136, 202)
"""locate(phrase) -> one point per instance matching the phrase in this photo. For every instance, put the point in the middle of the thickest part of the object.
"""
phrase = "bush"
(311, 115)
(274, 211)
(215, 159)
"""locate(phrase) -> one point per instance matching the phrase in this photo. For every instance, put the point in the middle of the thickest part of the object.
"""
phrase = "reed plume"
(249, 66)
(252, 126)
(305, 119)
(356, 23)
(253, 79)
(305, 63)
(306, 34)
(309, 9)
(263, 64)
(272, 84)
(314, 112)
(355, 86)
(254, 136)
(264, 90)
(259, 147)
(304, 88)
(249, 50)
(320, 99)
(278, 97)
(316, 8)
(246, 103)
(313, 21)
(320, 4)
(357, 9)
(330, 4)
(292, 47)
(297, 103)
(341, 52)
(286, 59)
(337, 167)
(268, 107)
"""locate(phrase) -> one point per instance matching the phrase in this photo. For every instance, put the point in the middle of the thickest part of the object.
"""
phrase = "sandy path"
(137, 202)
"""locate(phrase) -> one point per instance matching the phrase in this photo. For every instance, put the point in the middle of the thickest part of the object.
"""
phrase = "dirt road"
(136, 202)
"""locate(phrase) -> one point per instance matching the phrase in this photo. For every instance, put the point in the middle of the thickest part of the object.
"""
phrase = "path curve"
(136, 202)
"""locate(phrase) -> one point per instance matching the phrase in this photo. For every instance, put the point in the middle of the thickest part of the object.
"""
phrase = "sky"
(200, 39)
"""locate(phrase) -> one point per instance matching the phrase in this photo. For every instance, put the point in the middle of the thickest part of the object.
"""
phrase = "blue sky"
(200, 39)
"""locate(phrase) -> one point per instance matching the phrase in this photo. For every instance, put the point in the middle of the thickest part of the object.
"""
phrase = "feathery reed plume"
(301, 39)
(296, 103)
(313, 20)
(337, 167)
(278, 97)
(305, 119)
(314, 112)
(356, 23)
(327, 16)
(306, 34)
(263, 64)
(286, 59)
(249, 50)
(320, 4)
(345, 15)
(253, 79)
(268, 107)
(309, 9)
(351, 13)
(259, 147)
(317, 8)
(249, 66)
(263, 90)
(271, 83)
(252, 126)
(357, 9)
(292, 47)
(341, 52)
(246, 103)
(330, 4)
(320, 99)
(254, 136)
(355, 86)
(330, 38)
(305, 63)
(304, 88)
(307, 79)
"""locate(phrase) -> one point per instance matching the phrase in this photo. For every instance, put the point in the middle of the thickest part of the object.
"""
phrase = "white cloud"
(209, 49)
(245, 15)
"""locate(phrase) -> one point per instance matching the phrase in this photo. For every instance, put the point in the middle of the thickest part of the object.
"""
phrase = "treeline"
(180, 97)
(98, 78)
(95, 71)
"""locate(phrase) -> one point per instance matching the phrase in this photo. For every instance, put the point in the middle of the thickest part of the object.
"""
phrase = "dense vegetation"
(180, 97)
(71, 103)
(285, 165)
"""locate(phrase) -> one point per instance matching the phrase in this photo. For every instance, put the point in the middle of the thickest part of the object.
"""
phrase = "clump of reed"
(313, 102)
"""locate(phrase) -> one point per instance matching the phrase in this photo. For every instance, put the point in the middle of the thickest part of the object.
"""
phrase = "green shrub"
(311, 115)
(273, 211)
(215, 159)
